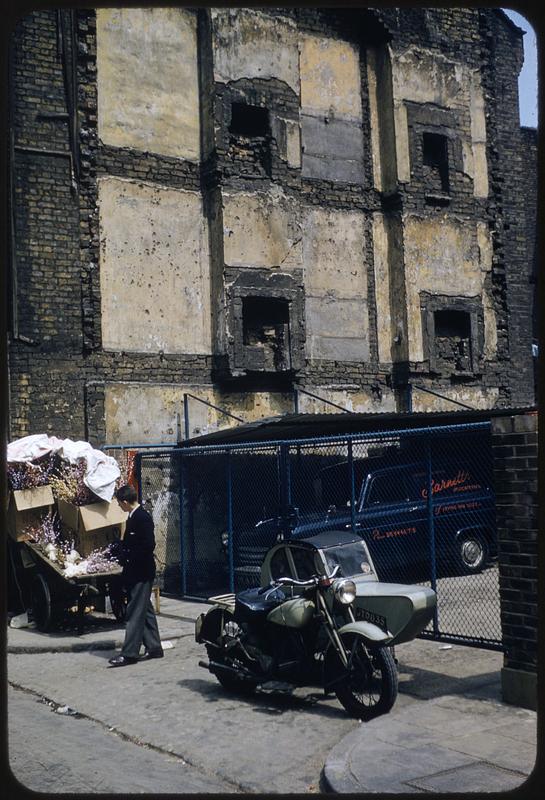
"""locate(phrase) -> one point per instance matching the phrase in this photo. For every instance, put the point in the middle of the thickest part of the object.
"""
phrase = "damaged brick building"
(233, 203)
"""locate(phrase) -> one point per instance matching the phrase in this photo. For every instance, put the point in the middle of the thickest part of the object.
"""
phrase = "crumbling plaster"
(154, 413)
(249, 44)
(442, 256)
(473, 396)
(148, 94)
(330, 77)
(261, 229)
(154, 270)
(354, 399)
(422, 77)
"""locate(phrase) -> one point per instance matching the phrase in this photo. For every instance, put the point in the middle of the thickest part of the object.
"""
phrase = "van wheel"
(472, 553)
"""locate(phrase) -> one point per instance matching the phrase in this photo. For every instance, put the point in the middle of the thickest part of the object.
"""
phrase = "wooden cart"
(52, 593)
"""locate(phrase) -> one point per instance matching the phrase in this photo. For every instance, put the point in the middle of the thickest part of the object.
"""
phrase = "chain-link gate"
(422, 499)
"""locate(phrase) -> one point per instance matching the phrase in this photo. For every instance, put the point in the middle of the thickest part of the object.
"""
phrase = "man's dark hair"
(126, 494)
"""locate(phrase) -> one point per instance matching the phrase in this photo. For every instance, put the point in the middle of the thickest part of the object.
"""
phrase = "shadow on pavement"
(427, 684)
(272, 703)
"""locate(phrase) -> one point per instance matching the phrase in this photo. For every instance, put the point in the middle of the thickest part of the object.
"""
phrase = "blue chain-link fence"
(422, 499)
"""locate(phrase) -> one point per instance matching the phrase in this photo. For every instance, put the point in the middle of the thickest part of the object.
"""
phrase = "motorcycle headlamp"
(344, 591)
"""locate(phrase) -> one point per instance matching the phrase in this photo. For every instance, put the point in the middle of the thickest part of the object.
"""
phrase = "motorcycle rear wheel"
(223, 654)
(369, 688)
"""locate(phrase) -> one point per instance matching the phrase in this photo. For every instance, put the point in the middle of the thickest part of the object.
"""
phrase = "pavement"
(448, 732)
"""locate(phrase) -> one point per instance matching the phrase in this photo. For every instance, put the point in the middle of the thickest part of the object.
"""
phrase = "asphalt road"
(168, 726)
(203, 739)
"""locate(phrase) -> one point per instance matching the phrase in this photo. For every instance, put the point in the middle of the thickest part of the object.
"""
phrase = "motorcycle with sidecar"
(321, 617)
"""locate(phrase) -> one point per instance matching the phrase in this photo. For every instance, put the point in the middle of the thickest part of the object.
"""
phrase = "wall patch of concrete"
(154, 272)
(330, 77)
(441, 257)
(421, 76)
(148, 80)
(472, 396)
(249, 44)
(336, 284)
(145, 413)
(261, 230)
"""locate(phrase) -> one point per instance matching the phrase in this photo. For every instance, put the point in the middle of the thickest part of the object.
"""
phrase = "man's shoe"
(121, 661)
(153, 654)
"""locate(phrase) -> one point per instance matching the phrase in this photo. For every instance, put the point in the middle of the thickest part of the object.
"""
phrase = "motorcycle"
(320, 618)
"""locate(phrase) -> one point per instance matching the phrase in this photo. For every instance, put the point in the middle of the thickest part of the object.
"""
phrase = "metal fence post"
(138, 473)
(181, 495)
(186, 416)
(352, 486)
(284, 483)
(230, 553)
(431, 529)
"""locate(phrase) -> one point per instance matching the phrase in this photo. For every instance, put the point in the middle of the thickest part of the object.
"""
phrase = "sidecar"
(403, 610)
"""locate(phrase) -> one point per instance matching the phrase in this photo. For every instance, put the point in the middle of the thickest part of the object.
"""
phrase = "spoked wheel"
(229, 655)
(368, 688)
(41, 603)
(472, 553)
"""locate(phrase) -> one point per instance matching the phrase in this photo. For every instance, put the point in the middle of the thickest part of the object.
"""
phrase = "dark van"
(392, 514)
(395, 518)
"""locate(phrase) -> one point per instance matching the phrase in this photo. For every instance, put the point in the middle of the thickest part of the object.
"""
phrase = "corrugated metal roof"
(302, 426)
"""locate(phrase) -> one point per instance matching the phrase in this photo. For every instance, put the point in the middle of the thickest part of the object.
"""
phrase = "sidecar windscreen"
(352, 559)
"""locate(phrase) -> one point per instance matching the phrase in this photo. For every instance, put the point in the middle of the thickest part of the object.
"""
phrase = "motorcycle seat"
(250, 603)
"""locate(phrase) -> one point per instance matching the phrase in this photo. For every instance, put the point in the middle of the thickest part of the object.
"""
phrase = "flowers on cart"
(67, 483)
(82, 473)
(98, 561)
(29, 474)
(48, 537)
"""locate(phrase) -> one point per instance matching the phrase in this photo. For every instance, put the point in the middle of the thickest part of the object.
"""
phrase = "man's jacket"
(138, 546)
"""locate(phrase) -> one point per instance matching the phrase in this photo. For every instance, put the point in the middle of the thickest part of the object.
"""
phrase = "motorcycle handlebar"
(293, 582)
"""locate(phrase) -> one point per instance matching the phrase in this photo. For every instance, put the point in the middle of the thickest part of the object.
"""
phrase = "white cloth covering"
(101, 472)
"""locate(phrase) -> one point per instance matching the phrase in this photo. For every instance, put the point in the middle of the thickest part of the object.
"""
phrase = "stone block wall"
(515, 447)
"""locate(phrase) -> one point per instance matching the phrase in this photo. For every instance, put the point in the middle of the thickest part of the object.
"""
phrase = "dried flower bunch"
(65, 479)
(67, 483)
(29, 475)
(48, 537)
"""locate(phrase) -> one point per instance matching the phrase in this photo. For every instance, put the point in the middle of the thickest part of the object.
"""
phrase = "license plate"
(370, 616)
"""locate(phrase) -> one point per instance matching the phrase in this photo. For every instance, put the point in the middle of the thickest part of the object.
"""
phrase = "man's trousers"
(140, 622)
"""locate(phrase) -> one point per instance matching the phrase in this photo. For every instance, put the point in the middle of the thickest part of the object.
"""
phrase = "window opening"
(435, 157)
(453, 338)
(265, 325)
(250, 121)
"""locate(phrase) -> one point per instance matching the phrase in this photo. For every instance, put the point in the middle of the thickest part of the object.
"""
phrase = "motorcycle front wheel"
(368, 688)
(228, 660)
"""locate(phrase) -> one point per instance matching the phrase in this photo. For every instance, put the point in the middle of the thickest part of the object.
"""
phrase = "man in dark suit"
(138, 574)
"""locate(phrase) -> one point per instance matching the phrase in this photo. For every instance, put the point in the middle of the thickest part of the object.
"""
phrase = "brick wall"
(56, 362)
(514, 447)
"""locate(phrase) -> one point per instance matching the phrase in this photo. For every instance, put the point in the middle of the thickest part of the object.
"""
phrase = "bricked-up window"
(265, 328)
(453, 339)
(249, 121)
(435, 158)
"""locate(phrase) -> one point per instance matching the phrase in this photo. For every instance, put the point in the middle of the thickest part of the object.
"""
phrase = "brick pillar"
(514, 448)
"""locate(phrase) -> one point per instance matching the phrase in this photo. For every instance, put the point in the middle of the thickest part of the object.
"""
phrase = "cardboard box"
(27, 508)
(91, 517)
(87, 541)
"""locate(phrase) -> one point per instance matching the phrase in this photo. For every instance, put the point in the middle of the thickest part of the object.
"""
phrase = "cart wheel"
(41, 603)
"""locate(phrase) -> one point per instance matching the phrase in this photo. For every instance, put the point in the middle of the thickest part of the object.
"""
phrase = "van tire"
(471, 552)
